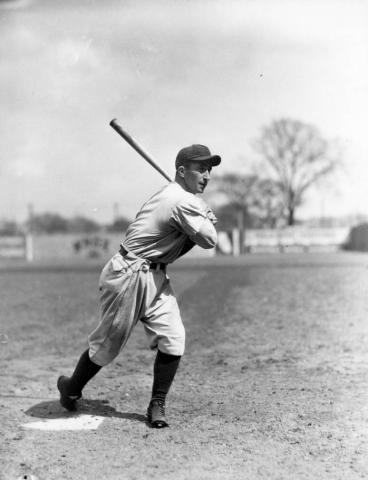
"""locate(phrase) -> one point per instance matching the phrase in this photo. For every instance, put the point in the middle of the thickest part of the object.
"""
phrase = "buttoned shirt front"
(164, 223)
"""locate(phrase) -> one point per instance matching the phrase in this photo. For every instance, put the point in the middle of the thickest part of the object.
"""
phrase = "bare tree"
(268, 204)
(239, 191)
(298, 156)
(251, 199)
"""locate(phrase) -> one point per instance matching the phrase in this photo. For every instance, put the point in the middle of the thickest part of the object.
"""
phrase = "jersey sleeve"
(190, 217)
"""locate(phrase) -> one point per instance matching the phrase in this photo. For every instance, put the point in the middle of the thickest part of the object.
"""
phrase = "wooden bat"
(115, 125)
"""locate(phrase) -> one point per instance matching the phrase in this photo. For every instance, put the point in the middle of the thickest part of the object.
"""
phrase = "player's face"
(196, 176)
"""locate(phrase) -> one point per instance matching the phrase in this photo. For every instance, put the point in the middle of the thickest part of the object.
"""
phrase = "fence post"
(28, 239)
(236, 242)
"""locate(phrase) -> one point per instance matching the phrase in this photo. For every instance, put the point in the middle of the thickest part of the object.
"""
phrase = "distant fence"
(75, 246)
(103, 245)
(285, 240)
(17, 246)
(296, 238)
(68, 247)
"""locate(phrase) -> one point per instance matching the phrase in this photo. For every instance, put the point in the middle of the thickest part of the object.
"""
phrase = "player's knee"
(173, 345)
(174, 350)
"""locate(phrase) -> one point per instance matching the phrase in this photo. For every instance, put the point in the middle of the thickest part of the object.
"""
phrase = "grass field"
(273, 384)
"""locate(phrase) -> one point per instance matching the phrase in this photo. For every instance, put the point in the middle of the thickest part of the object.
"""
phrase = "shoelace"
(160, 405)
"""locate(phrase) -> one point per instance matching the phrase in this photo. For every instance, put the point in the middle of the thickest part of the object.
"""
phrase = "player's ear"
(180, 171)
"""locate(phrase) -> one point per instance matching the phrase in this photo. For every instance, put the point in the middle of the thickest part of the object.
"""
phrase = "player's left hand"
(211, 216)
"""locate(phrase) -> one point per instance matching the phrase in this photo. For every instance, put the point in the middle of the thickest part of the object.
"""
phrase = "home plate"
(81, 422)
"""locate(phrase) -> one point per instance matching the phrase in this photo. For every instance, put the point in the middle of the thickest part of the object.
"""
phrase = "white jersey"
(164, 223)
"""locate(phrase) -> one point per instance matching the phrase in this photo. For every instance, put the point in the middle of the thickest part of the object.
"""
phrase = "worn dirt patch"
(273, 383)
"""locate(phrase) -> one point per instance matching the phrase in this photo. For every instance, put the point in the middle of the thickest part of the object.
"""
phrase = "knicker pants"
(130, 291)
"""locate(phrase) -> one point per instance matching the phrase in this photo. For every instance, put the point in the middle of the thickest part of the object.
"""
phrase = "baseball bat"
(129, 139)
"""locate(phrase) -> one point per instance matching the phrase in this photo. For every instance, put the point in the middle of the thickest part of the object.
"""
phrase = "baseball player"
(134, 284)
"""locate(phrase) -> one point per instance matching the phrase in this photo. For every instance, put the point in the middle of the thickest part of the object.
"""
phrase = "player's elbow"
(210, 244)
(206, 237)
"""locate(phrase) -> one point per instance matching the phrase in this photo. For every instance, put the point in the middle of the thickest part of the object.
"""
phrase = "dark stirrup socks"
(164, 371)
(82, 374)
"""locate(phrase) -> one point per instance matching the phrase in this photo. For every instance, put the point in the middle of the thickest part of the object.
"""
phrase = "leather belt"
(152, 265)
(158, 266)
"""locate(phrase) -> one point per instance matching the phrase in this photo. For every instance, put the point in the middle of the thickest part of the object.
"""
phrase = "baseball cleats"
(66, 400)
(156, 414)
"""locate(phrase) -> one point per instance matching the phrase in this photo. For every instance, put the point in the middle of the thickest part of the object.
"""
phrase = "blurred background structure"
(277, 88)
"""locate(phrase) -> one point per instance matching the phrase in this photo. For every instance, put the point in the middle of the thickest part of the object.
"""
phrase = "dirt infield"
(273, 384)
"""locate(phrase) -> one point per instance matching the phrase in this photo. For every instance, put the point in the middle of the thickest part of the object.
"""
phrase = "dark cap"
(196, 153)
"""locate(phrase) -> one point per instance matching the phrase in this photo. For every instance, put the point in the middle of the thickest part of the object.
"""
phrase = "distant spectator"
(92, 246)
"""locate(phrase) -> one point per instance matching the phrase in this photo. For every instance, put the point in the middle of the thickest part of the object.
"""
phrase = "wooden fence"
(284, 240)
(18, 246)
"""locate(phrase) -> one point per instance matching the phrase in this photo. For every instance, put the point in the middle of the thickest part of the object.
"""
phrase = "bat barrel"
(115, 125)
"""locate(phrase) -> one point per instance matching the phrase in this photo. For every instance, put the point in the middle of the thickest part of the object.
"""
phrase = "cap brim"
(214, 159)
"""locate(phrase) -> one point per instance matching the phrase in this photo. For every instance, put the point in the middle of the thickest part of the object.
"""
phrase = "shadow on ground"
(53, 409)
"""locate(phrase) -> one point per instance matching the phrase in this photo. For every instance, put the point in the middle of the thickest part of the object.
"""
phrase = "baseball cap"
(196, 153)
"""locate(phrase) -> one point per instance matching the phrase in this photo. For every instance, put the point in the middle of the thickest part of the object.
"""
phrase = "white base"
(81, 422)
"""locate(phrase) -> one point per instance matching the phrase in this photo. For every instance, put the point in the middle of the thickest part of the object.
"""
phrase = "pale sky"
(173, 72)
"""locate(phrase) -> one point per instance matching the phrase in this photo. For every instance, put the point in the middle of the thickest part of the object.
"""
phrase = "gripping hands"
(211, 216)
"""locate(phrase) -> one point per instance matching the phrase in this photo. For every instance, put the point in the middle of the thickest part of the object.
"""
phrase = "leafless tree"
(299, 156)
(250, 197)
(268, 205)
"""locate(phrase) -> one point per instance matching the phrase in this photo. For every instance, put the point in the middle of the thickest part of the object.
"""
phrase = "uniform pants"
(131, 291)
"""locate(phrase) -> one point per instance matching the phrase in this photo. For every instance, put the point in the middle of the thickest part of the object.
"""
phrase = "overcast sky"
(173, 72)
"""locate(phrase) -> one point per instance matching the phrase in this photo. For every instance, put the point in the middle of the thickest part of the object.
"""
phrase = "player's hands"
(211, 216)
